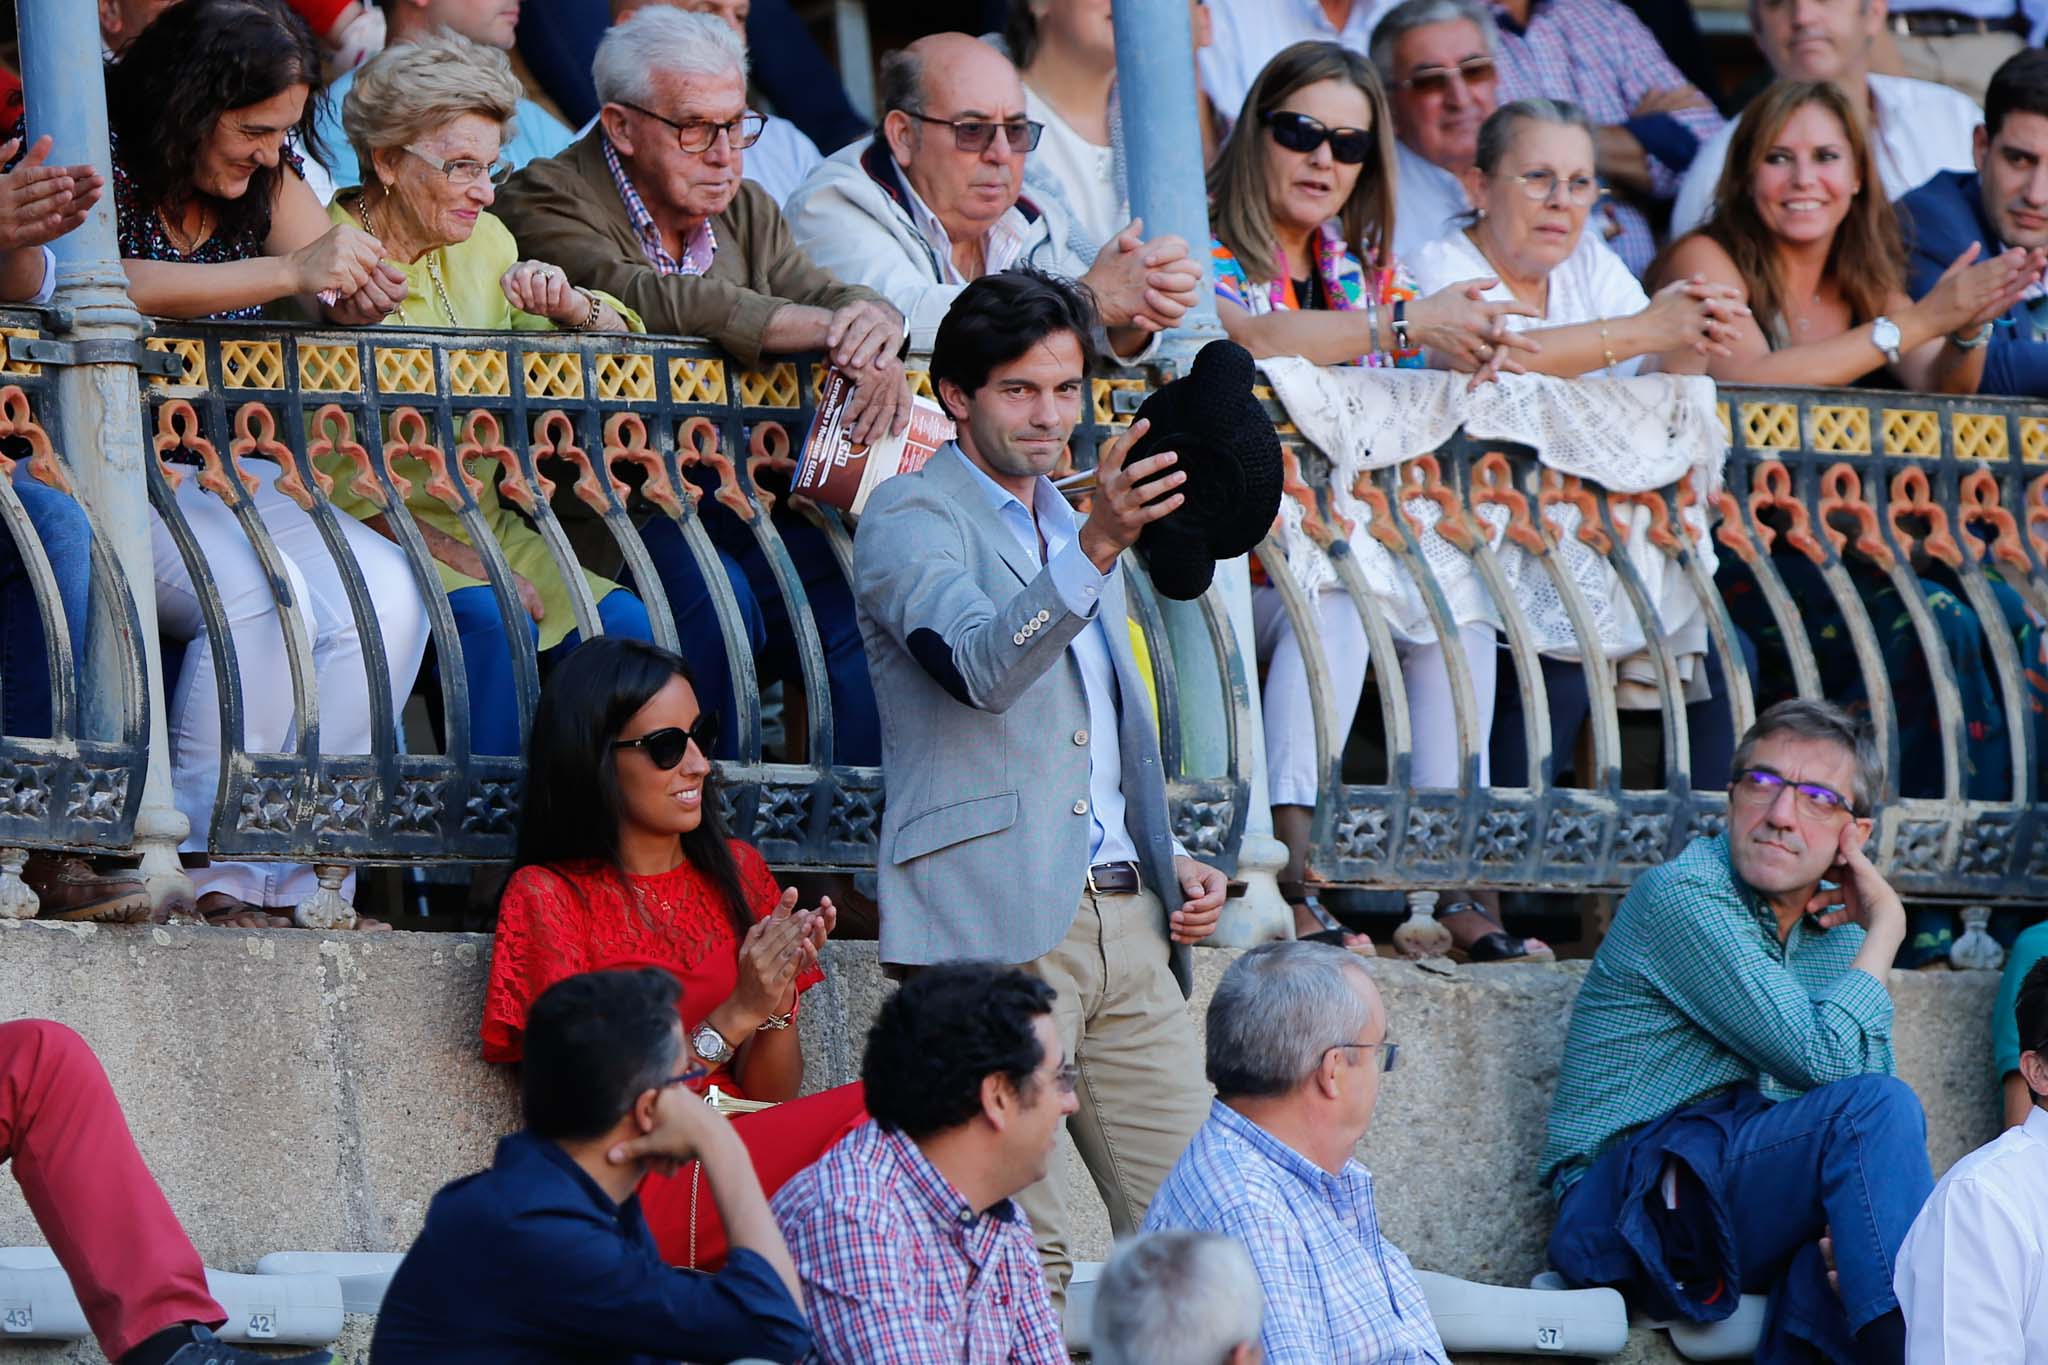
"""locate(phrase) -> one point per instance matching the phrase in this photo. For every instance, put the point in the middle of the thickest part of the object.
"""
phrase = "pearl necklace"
(433, 267)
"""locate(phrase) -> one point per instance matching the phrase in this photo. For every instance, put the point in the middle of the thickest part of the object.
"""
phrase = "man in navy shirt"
(2003, 206)
(545, 1257)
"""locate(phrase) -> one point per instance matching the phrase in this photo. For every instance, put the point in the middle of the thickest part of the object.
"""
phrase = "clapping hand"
(772, 954)
(39, 203)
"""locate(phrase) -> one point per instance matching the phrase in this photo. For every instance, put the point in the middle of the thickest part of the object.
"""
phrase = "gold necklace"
(433, 268)
(181, 243)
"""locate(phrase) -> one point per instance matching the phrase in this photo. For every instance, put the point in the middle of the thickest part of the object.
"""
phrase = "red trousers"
(781, 1141)
(130, 1263)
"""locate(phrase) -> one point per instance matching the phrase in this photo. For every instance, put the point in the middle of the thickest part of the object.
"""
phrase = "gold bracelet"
(1605, 349)
(590, 319)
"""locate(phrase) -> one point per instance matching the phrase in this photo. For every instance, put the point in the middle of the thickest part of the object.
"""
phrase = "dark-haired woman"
(623, 859)
(215, 221)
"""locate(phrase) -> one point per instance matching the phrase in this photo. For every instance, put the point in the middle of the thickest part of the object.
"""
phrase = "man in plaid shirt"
(1726, 1098)
(909, 1246)
(1297, 1044)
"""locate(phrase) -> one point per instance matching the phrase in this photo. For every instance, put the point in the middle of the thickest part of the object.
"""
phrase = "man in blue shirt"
(2002, 206)
(545, 1257)
(1297, 1043)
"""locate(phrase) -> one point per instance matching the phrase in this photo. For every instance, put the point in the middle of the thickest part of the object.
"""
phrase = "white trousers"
(250, 608)
(1292, 778)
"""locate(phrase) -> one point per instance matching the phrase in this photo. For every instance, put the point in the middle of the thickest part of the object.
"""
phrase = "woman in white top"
(1533, 185)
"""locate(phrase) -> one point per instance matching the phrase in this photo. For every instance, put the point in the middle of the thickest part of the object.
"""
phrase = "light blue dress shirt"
(537, 134)
(1080, 585)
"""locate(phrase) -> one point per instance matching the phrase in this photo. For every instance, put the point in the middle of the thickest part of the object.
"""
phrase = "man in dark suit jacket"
(1027, 818)
(2002, 206)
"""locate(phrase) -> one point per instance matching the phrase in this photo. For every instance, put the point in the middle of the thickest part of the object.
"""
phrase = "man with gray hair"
(1436, 58)
(1297, 1044)
(1177, 1298)
(1726, 1099)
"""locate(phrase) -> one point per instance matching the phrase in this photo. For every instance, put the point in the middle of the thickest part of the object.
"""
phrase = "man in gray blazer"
(1027, 816)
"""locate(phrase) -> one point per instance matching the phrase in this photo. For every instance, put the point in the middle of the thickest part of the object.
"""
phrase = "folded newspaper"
(838, 471)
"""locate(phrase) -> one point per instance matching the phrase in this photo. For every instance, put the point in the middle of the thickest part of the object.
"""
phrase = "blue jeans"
(857, 726)
(1848, 1158)
(487, 659)
(60, 525)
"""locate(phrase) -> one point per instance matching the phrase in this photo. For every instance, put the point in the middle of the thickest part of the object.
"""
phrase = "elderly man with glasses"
(1296, 1048)
(650, 208)
(934, 200)
(1726, 1099)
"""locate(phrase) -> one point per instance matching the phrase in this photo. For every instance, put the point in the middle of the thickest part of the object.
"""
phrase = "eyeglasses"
(665, 747)
(1760, 787)
(1067, 1077)
(1435, 80)
(1388, 1058)
(974, 135)
(1540, 185)
(465, 171)
(697, 134)
(1300, 133)
(695, 1073)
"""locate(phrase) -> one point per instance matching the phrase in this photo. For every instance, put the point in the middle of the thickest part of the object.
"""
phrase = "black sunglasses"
(1300, 133)
(665, 747)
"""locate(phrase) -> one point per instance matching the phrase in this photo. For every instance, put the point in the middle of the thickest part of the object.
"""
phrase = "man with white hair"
(1297, 1043)
(1437, 60)
(783, 156)
(1177, 1298)
(650, 208)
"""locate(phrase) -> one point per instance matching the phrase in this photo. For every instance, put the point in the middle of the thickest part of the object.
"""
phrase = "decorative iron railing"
(1930, 500)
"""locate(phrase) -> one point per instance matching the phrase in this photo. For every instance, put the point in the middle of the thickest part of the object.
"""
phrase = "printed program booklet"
(841, 473)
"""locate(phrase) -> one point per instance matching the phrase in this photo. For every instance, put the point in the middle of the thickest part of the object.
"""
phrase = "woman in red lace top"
(623, 860)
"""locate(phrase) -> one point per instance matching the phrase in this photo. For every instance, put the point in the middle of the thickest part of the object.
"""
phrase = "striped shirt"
(1337, 1292)
(1691, 992)
(898, 1268)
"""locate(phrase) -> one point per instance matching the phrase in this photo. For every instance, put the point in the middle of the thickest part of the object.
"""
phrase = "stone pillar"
(99, 403)
(1155, 73)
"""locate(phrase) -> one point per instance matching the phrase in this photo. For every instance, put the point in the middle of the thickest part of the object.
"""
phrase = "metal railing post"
(1155, 73)
(99, 403)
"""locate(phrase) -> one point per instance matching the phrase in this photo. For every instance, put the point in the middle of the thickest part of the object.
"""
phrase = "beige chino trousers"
(1142, 1088)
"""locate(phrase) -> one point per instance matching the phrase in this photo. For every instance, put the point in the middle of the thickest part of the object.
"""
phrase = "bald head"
(953, 78)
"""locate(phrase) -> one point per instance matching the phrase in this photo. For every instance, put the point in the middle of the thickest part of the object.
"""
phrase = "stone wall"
(302, 1091)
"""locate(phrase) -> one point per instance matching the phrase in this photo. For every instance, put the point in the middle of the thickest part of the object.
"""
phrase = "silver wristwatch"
(710, 1046)
(1884, 334)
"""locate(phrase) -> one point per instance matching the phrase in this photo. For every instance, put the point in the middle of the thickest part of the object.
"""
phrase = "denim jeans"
(857, 726)
(1847, 1159)
(487, 659)
(697, 632)
(60, 524)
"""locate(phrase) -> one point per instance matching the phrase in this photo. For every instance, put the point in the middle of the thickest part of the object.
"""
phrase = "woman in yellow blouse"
(427, 120)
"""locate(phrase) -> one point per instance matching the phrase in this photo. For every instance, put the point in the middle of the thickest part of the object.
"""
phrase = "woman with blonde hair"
(427, 120)
(1802, 228)
(1301, 209)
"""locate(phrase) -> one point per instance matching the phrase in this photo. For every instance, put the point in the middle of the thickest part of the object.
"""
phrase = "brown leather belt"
(1941, 23)
(1114, 879)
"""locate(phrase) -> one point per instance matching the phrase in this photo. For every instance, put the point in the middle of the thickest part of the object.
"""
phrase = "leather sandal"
(1498, 946)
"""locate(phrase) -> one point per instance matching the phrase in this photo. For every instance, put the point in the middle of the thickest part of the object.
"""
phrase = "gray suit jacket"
(984, 853)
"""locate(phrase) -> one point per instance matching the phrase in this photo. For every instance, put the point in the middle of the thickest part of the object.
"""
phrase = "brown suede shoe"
(71, 888)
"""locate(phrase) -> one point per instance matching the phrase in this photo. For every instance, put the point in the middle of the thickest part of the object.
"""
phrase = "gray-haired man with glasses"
(1297, 1045)
(934, 200)
(1726, 1098)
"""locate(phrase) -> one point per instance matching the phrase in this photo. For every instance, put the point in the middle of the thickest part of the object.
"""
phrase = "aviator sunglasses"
(1300, 133)
(665, 747)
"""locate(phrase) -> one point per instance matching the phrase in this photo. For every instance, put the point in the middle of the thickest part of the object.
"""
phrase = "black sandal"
(1500, 945)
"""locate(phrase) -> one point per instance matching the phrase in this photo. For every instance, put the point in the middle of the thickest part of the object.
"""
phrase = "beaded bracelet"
(1605, 349)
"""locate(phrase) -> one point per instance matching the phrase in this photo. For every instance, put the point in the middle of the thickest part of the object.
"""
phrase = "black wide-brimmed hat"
(1227, 449)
